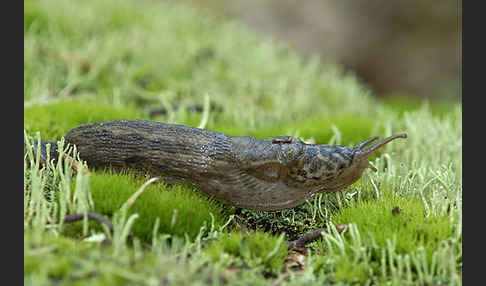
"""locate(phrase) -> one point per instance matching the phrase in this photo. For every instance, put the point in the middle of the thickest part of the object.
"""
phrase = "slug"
(245, 172)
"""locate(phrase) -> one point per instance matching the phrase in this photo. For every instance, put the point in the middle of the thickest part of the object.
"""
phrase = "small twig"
(299, 244)
(91, 215)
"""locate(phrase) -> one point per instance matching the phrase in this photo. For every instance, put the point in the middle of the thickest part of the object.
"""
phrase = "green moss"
(350, 272)
(396, 216)
(52, 255)
(91, 263)
(400, 105)
(55, 120)
(254, 249)
(102, 48)
(34, 20)
(112, 51)
(293, 222)
(353, 129)
(181, 210)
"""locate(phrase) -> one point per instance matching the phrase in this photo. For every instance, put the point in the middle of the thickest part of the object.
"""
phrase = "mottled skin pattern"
(246, 172)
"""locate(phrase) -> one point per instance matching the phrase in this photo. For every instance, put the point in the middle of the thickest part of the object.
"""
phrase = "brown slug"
(246, 172)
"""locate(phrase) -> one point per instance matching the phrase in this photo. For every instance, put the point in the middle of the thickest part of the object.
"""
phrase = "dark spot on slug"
(310, 154)
(334, 158)
(328, 174)
(133, 160)
(315, 165)
(302, 173)
(330, 167)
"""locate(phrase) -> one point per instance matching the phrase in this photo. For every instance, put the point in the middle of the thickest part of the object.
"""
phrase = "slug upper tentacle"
(362, 151)
(270, 174)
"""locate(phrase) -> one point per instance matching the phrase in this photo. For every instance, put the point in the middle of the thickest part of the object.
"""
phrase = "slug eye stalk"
(362, 152)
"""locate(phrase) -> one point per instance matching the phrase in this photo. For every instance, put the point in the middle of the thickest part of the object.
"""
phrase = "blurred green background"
(397, 48)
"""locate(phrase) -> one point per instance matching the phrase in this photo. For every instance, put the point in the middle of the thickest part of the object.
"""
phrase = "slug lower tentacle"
(246, 172)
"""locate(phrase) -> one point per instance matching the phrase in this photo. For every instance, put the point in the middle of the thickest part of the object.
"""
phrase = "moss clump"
(353, 129)
(34, 21)
(401, 105)
(39, 255)
(181, 210)
(55, 120)
(256, 249)
(350, 272)
(293, 222)
(395, 216)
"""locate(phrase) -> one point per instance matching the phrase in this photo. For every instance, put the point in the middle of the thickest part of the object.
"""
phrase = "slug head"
(287, 171)
(331, 168)
(361, 153)
(360, 160)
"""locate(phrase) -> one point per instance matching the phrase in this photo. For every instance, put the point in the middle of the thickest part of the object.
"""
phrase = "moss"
(82, 52)
(52, 255)
(400, 105)
(34, 20)
(293, 222)
(254, 249)
(71, 52)
(350, 272)
(55, 120)
(353, 129)
(181, 210)
(90, 263)
(396, 216)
